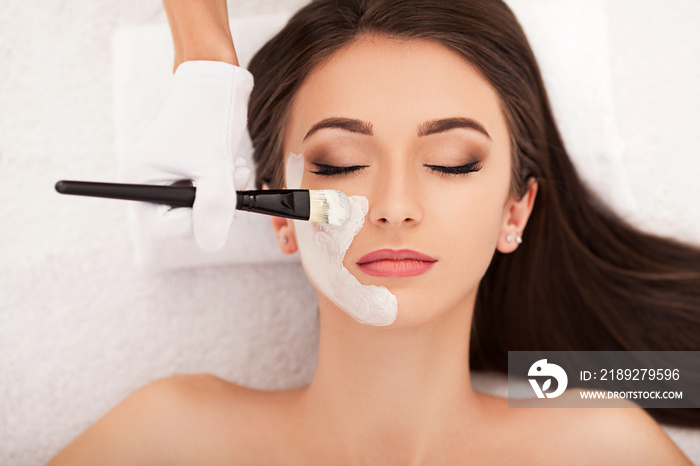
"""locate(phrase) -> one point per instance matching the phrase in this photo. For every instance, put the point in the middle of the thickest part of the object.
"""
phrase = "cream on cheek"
(322, 249)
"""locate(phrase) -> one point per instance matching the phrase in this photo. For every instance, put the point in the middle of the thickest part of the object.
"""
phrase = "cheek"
(475, 221)
(465, 229)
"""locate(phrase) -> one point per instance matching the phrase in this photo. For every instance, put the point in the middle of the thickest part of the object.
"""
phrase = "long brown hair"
(583, 279)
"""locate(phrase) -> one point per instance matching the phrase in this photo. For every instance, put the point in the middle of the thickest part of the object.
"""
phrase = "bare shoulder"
(217, 421)
(623, 433)
(224, 423)
(183, 419)
(631, 434)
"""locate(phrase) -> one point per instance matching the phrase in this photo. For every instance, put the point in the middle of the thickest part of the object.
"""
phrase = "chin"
(415, 310)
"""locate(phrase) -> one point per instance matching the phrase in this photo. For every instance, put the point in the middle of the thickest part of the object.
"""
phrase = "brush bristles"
(329, 206)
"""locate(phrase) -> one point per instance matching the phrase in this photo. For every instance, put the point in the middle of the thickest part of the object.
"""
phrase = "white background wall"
(70, 261)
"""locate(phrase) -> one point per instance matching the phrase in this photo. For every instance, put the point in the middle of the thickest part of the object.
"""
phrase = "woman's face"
(401, 91)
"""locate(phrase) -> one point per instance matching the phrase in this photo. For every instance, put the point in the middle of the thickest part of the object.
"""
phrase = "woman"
(435, 113)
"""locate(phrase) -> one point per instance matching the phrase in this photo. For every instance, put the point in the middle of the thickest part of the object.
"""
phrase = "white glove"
(195, 137)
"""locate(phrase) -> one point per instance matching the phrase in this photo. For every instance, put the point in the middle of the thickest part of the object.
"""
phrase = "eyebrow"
(424, 129)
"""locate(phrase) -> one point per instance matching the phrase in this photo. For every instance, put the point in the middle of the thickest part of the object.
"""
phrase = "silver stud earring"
(509, 238)
(519, 239)
(284, 240)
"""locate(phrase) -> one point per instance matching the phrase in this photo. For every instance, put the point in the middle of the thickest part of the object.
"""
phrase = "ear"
(516, 214)
(284, 230)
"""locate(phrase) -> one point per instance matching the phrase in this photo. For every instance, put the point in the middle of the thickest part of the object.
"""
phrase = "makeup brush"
(321, 206)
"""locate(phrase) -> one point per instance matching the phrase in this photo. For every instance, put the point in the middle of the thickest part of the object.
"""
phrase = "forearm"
(200, 31)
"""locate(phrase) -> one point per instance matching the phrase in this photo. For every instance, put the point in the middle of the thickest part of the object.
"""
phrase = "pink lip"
(391, 263)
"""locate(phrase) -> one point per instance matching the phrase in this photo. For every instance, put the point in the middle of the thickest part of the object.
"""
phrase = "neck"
(395, 386)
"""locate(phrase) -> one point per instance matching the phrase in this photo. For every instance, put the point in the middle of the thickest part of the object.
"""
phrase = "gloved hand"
(195, 137)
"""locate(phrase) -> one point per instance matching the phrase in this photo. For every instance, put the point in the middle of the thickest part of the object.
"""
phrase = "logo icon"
(543, 368)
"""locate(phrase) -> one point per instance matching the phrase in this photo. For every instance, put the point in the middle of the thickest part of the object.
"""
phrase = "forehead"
(393, 83)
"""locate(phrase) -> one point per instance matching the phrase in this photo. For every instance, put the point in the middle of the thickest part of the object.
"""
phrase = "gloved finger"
(241, 178)
(241, 174)
(213, 211)
(159, 222)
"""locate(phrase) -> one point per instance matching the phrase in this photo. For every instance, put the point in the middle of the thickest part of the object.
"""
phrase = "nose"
(395, 200)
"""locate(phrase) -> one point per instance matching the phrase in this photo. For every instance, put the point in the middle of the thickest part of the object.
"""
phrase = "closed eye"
(459, 170)
(330, 170)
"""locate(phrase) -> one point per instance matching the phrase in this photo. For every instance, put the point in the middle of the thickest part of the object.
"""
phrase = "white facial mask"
(322, 248)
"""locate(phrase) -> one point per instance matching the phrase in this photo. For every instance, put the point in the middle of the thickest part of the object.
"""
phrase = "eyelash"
(330, 170)
(460, 170)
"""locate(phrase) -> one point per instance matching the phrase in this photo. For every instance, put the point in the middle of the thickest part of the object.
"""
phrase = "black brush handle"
(176, 196)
